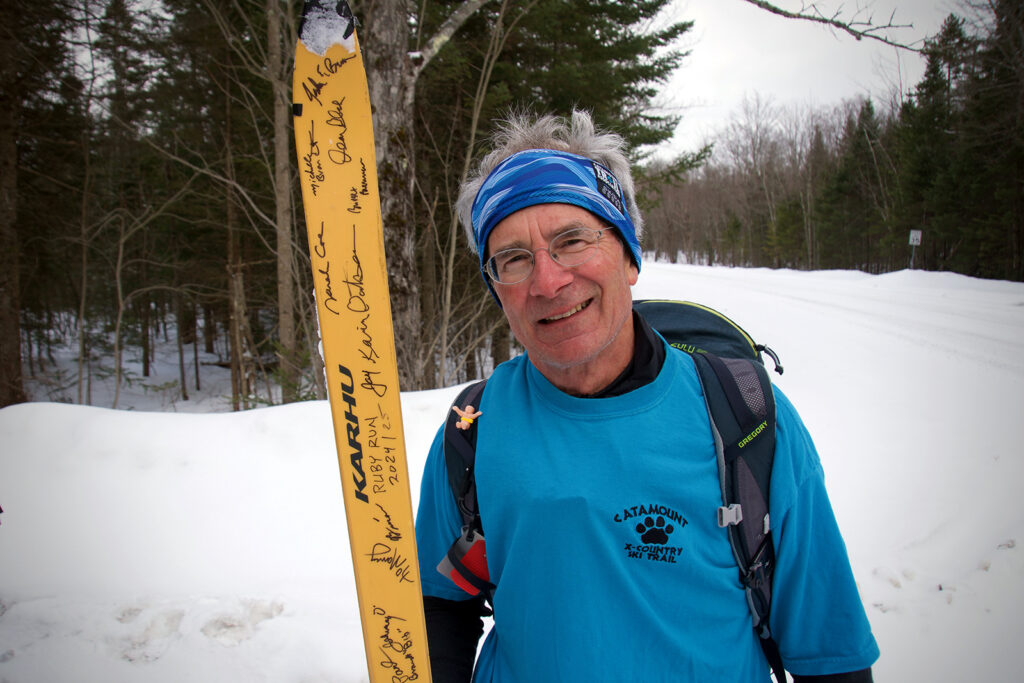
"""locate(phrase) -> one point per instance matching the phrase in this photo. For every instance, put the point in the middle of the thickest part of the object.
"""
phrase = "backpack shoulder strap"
(741, 408)
(465, 563)
(460, 455)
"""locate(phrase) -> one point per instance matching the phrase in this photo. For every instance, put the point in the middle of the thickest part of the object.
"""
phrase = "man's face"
(576, 323)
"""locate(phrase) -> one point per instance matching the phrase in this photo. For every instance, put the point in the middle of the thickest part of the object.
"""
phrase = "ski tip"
(326, 23)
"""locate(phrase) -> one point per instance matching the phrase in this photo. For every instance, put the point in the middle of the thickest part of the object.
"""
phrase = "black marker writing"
(331, 301)
(367, 352)
(357, 304)
(370, 383)
(330, 67)
(354, 281)
(385, 554)
(312, 89)
(364, 189)
(392, 531)
(321, 248)
(313, 168)
(336, 117)
(396, 639)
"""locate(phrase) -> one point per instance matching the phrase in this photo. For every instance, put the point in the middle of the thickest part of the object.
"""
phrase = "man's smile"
(563, 316)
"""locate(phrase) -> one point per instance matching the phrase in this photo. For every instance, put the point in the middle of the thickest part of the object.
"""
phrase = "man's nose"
(548, 275)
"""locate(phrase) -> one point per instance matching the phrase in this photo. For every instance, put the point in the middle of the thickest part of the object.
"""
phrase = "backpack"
(741, 408)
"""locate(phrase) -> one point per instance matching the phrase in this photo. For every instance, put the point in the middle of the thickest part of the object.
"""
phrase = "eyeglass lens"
(570, 248)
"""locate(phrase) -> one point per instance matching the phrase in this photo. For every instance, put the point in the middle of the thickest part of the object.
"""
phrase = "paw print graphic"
(654, 530)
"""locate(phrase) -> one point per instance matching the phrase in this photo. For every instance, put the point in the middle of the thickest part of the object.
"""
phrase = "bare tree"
(751, 142)
(268, 60)
(86, 231)
(129, 225)
(278, 71)
(804, 162)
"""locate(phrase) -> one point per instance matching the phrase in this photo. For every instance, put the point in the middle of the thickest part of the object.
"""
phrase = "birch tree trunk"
(391, 72)
(391, 81)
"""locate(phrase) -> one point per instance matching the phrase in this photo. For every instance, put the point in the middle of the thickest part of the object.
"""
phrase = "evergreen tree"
(34, 59)
(931, 170)
(818, 165)
(993, 147)
(855, 207)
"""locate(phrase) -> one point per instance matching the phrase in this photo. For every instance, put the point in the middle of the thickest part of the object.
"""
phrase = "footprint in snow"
(231, 629)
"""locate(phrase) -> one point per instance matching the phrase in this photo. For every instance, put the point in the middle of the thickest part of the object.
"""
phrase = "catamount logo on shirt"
(651, 527)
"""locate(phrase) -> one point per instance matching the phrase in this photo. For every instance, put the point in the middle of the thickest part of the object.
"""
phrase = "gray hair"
(520, 132)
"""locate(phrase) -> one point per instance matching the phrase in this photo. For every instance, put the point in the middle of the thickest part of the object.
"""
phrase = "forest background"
(149, 187)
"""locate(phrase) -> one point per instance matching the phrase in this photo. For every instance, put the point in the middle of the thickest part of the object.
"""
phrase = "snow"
(171, 546)
(323, 28)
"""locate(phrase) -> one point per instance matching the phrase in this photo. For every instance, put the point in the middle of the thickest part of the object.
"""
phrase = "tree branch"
(446, 31)
(856, 28)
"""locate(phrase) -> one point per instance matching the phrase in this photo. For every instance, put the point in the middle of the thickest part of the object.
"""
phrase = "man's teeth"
(566, 314)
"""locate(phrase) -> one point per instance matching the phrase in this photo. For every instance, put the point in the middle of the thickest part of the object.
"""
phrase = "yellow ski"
(338, 172)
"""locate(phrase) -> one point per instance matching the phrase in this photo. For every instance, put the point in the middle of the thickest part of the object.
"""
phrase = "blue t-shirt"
(602, 538)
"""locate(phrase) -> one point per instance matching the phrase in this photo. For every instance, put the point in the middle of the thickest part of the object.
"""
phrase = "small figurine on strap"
(466, 415)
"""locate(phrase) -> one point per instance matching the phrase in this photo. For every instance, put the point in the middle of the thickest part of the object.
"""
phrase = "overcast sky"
(738, 49)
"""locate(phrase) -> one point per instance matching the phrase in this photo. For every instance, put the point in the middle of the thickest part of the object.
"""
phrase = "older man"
(598, 417)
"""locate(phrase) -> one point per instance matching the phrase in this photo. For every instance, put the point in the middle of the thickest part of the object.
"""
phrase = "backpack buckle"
(730, 515)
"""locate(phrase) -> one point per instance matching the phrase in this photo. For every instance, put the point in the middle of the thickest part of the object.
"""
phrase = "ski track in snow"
(960, 323)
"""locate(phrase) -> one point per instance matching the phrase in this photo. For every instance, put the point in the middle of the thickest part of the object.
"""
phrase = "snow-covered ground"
(165, 546)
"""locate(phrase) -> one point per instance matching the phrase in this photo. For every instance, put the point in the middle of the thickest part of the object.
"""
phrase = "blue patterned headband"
(547, 176)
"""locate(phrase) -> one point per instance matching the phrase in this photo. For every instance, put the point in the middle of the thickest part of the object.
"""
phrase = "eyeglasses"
(568, 249)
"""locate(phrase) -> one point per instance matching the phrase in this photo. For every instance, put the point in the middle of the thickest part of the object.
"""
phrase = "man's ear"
(634, 270)
(627, 253)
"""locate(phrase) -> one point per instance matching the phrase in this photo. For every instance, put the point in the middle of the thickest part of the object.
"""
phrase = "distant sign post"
(915, 240)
